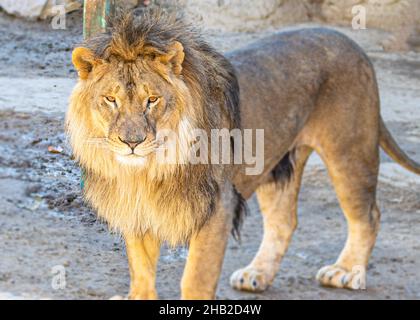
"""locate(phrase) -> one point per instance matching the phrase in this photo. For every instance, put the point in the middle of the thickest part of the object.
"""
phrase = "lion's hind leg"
(354, 176)
(278, 204)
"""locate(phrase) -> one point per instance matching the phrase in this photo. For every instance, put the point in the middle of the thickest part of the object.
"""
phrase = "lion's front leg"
(143, 255)
(205, 258)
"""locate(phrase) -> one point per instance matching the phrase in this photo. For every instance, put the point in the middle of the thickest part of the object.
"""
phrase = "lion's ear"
(174, 58)
(84, 60)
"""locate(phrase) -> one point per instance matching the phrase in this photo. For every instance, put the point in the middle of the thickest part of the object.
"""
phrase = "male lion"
(311, 89)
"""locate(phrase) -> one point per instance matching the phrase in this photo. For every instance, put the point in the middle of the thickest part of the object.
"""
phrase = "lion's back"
(283, 78)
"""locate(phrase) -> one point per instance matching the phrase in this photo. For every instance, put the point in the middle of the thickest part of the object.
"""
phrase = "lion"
(309, 90)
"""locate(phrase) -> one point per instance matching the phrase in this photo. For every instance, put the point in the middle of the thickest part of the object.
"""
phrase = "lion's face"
(128, 111)
(130, 101)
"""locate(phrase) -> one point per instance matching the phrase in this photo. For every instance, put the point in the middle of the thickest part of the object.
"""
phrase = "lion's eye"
(110, 99)
(152, 100)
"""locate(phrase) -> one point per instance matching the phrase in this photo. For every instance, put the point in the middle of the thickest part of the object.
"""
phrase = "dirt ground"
(44, 222)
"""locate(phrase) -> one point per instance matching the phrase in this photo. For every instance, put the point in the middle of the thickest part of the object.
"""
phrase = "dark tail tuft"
(241, 210)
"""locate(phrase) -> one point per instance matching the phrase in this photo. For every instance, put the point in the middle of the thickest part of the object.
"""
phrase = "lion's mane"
(173, 204)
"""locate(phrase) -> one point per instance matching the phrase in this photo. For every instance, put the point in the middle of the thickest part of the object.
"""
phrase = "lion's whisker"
(96, 141)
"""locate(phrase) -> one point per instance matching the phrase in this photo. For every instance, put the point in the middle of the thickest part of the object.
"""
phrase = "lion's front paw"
(338, 277)
(250, 279)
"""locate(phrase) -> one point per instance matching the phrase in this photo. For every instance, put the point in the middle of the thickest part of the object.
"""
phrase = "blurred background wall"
(401, 17)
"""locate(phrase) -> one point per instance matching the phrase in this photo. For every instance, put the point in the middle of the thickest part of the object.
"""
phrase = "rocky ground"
(44, 222)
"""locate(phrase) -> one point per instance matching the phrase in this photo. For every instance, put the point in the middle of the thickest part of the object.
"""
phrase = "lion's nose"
(132, 144)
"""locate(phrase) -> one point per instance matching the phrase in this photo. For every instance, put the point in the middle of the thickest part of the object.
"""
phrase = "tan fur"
(309, 90)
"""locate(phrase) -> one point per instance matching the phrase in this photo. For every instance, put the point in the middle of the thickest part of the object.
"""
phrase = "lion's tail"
(391, 147)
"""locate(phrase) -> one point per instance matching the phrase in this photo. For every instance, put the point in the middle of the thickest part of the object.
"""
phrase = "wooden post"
(94, 16)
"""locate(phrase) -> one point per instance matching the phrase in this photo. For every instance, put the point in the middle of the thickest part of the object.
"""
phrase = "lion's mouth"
(132, 159)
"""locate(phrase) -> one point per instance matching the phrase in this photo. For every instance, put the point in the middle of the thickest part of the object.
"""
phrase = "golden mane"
(171, 201)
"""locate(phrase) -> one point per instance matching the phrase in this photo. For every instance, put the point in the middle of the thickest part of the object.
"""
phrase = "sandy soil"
(44, 222)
